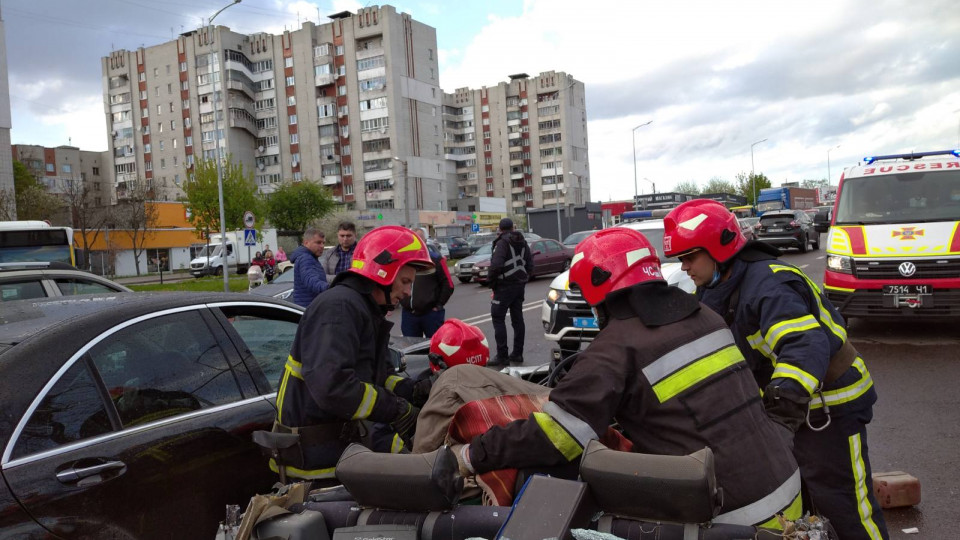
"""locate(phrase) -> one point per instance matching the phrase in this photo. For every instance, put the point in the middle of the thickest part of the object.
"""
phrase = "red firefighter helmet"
(457, 342)
(702, 224)
(382, 252)
(613, 259)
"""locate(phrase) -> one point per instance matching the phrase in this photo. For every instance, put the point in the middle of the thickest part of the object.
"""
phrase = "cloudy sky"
(878, 76)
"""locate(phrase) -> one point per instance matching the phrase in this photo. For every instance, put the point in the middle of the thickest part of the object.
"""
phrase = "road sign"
(249, 237)
(248, 220)
(475, 227)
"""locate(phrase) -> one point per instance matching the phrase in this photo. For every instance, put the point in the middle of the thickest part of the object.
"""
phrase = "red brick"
(895, 489)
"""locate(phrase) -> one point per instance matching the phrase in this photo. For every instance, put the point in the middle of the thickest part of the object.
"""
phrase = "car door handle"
(71, 475)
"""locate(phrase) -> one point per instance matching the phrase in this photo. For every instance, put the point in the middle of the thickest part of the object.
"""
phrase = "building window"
(430, 53)
(290, 80)
(143, 94)
(161, 145)
(293, 119)
(159, 109)
(96, 172)
(169, 88)
(294, 138)
(173, 125)
(163, 163)
(183, 66)
(188, 141)
(291, 101)
(342, 90)
(371, 63)
(288, 61)
(185, 85)
(185, 104)
(339, 50)
(141, 76)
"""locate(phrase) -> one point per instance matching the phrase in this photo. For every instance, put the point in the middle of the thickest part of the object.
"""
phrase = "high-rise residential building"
(524, 140)
(6, 163)
(353, 103)
(58, 168)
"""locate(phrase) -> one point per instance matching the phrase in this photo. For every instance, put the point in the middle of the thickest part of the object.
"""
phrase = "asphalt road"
(916, 369)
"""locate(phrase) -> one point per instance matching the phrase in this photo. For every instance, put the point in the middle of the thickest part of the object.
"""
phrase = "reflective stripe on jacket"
(788, 330)
(673, 389)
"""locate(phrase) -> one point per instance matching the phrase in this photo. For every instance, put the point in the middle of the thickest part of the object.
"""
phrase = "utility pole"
(636, 192)
(753, 176)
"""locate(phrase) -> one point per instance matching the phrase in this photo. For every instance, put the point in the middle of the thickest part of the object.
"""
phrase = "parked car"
(130, 415)
(30, 280)
(748, 226)
(573, 239)
(457, 247)
(280, 288)
(549, 257)
(476, 241)
(788, 229)
(566, 316)
(464, 267)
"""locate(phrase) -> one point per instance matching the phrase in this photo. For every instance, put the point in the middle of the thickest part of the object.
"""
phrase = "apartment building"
(353, 103)
(57, 168)
(524, 140)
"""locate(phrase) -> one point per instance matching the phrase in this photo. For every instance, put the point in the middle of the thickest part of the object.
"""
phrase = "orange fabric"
(476, 417)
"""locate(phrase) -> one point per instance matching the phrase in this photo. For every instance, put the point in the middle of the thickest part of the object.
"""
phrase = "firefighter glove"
(786, 406)
(405, 424)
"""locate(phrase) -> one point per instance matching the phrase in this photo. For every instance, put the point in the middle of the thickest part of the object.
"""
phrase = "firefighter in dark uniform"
(668, 372)
(795, 341)
(510, 267)
(338, 372)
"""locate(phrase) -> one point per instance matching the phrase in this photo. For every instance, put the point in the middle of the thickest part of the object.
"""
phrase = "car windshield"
(900, 198)
(655, 236)
(486, 249)
(576, 238)
(749, 222)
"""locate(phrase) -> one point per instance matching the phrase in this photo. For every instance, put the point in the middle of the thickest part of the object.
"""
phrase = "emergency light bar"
(911, 156)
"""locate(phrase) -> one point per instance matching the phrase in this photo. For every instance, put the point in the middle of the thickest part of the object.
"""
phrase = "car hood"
(671, 272)
(474, 259)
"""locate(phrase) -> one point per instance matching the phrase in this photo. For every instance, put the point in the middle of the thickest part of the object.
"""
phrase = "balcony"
(331, 180)
(379, 195)
(324, 79)
(516, 176)
(337, 198)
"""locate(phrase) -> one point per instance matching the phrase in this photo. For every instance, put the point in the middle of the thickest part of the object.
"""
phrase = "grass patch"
(204, 284)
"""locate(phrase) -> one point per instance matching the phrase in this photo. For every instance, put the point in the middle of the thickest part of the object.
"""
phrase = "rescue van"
(893, 248)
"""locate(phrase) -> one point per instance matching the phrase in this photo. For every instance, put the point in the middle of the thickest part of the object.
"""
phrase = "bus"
(35, 241)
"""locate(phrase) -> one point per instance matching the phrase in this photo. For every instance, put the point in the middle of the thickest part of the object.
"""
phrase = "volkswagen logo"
(907, 269)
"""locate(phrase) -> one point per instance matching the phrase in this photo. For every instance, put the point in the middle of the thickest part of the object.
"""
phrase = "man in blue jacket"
(309, 280)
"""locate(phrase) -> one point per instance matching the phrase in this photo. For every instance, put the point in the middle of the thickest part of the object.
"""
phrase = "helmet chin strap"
(386, 307)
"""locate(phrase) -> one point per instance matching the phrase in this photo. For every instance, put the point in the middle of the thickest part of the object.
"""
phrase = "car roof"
(22, 319)
(780, 213)
(643, 225)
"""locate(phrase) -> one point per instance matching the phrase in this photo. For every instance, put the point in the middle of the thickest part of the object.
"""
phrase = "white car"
(567, 318)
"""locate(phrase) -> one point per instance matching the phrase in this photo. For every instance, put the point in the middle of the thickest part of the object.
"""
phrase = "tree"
(8, 205)
(689, 187)
(84, 217)
(719, 185)
(748, 184)
(814, 184)
(294, 205)
(239, 195)
(136, 218)
(32, 198)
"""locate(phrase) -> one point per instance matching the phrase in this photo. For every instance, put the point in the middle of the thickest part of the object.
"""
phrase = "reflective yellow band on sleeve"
(397, 445)
(306, 474)
(758, 344)
(696, 372)
(825, 316)
(295, 368)
(786, 371)
(782, 328)
(366, 404)
(392, 382)
(561, 440)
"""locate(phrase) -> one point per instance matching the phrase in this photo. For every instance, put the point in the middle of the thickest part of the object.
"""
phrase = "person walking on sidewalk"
(814, 382)
(423, 311)
(510, 268)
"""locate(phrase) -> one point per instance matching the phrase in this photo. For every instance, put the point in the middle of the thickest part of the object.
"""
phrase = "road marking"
(821, 257)
(804, 265)
(480, 319)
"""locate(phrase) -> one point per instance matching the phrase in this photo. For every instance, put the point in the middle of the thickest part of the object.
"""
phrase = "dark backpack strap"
(732, 304)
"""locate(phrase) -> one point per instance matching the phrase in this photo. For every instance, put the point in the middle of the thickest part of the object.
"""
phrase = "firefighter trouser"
(835, 467)
(508, 296)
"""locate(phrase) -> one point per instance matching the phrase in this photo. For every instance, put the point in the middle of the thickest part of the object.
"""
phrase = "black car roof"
(24, 318)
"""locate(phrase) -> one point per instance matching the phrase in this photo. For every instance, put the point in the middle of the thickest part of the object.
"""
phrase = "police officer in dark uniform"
(814, 382)
(667, 370)
(510, 269)
(338, 372)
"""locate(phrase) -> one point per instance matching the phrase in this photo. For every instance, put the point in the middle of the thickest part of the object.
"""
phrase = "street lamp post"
(753, 177)
(829, 177)
(636, 193)
(406, 193)
(652, 183)
(215, 59)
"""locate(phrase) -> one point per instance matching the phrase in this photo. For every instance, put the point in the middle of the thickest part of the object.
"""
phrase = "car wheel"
(803, 245)
(566, 265)
(464, 279)
(816, 243)
(219, 271)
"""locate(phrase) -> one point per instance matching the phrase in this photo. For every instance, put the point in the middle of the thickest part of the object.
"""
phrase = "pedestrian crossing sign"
(249, 237)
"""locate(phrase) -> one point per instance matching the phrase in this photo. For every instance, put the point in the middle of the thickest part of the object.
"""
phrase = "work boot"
(516, 360)
(498, 362)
